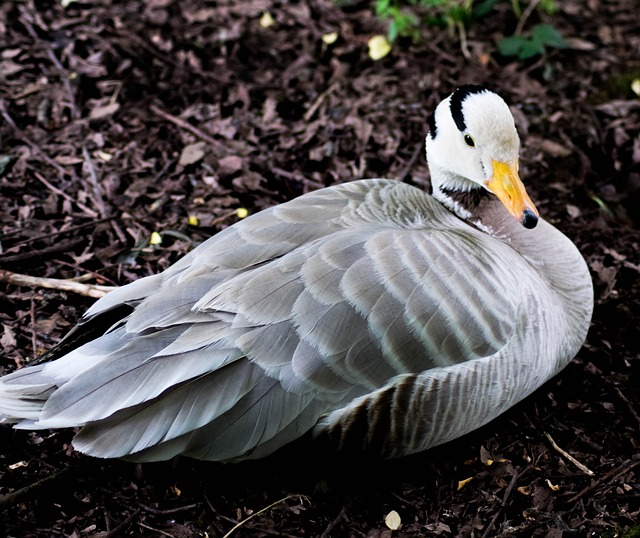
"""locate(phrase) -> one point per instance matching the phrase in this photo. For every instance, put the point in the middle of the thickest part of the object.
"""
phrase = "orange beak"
(506, 185)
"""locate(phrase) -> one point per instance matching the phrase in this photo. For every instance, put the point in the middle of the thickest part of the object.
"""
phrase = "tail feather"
(22, 397)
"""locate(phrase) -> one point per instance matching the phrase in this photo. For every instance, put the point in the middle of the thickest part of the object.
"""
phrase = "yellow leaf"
(242, 212)
(463, 483)
(330, 38)
(392, 520)
(553, 487)
(155, 239)
(103, 155)
(266, 20)
(193, 220)
(635, 86)
(379, 47)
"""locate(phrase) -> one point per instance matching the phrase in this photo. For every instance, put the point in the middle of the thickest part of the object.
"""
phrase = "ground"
(121, 119)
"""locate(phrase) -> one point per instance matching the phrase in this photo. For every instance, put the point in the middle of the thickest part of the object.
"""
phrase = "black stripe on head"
(457, 98)
(432, 125)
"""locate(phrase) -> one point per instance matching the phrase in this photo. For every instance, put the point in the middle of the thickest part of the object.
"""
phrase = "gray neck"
(548, 251)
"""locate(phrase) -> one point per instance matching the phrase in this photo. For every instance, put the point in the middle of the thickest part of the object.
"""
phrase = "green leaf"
(530, 48)
(433, 3)
(482, 9)
(512, 45)
(382, 7)
(393, 31)
(458, 14)
(548, 6)
(548, 35)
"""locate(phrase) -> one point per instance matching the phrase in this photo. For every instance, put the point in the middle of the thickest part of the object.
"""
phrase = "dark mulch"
(120, 119)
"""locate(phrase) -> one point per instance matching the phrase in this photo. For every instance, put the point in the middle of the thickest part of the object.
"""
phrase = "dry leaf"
(485, 456)
(577, 43)
(67, 160)
(554, 149)
(574, 211)
(192, 153)
(101, 112)
(525, 490)
(230, 165)
(8, 338)
(463, 483)
(9, 67)
(392, 520)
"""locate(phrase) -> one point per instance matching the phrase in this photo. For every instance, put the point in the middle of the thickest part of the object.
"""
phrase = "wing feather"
(287, 316)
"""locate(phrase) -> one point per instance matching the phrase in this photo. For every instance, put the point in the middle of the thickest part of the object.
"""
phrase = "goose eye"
(469, 141)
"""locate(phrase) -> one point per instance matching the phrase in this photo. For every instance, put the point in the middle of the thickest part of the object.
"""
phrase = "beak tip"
(529, 219)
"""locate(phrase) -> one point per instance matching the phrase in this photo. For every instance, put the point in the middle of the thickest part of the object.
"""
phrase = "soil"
(125, 118)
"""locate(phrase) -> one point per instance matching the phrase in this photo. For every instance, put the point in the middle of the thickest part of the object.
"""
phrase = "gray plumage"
(368, 312)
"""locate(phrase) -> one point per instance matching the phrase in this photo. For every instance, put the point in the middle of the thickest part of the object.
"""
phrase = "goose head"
(473, 145)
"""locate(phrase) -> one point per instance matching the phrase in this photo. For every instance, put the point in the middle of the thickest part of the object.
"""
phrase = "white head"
(473, 143)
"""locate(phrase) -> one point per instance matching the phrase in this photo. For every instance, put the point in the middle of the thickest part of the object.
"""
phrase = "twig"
(87, 275)
(157, 511)
(330, 527)
(412, 160)
(505, 498)
(579, 465)
(464, 45)
(64, 76)
(318, 102)
(633, 412)
(34, 334)
(235, 522)
(117, 530)
(185, 125)
(10, 499)
(155, 530)
(223, 217)
(612, 475)
(7, 117)
(53, 233)
(62, 246)
(525, 15)
(126, 36)
(241, 523)
(20, 134)
(90, 290)
(56, 190)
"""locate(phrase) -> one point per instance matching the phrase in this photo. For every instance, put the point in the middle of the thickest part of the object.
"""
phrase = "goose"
(371, 314)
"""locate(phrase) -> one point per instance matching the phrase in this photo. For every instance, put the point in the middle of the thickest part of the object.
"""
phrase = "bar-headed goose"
(370, 312)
